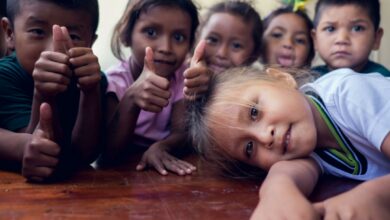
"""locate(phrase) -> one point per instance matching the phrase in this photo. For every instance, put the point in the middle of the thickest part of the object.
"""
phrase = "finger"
(46, 120)
(68, 44)
(319, 208)
(173, 166)
(182, 165)
(149, 60)
(198, 53)
(45, 146)
(58, 40)
(140, 166)
(158, 165)
(37, 173)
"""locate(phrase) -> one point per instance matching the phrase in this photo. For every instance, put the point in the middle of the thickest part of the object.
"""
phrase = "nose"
(222, 51)
(165, 45)
(264, 135)
(342, 37)
(287, 43)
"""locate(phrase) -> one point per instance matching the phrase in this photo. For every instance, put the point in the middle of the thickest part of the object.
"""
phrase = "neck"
(325, 138)
(135, 68)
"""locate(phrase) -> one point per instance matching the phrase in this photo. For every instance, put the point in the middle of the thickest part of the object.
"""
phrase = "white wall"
(111, 11)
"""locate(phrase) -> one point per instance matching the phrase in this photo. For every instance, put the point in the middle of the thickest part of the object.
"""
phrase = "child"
(55, 73)
(346, 32)
(263, 121)
(287, 38)
(232, 31)
(145, 92)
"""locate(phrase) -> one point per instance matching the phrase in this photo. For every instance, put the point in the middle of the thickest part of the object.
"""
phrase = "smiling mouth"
(164, 62)
(286, 140)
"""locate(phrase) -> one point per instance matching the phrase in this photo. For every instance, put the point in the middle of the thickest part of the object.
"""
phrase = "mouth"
(216, 68)
(286, 140)
(285, 61)
(165, 62)
(341, 53)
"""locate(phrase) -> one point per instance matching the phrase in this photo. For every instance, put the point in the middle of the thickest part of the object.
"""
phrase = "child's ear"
(313, 36)
(9, 33)
(378, 38)
(282, 76)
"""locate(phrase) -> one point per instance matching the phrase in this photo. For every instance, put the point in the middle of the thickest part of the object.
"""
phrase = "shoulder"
(11, 72)
(376, 67)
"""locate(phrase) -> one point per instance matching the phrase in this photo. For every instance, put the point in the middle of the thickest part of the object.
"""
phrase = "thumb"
(46, 120)
(149, 60)
(67, 41)
(198, 53)
(58, 40)
(319, 208)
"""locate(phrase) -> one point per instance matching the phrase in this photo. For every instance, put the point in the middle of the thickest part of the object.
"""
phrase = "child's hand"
(357, 204)
(40, 155)
(156, 156)
(197, 76)
(150, 91)
(284, 206)
(51, 72)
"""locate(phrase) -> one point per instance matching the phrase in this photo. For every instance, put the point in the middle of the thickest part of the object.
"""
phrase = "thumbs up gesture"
(197, 76)
(150, 91)
(41, 153)
(51, 71)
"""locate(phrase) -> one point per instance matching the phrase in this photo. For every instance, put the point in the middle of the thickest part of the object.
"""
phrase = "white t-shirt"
(360, 105)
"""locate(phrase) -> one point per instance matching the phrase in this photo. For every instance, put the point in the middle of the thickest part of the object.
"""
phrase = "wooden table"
(123, 193)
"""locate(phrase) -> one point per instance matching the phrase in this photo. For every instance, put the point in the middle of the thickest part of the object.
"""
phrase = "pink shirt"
(155, 126)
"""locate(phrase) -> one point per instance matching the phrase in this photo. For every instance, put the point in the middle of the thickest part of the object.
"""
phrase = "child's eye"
(75, 37)
(236, 45)
(329, 29)
(254, 113)
(248, 149)
(150, 32)
(300, 41)
(211, 40)
(276, 35)
(179, 37)
(36, 32)
(358, 28)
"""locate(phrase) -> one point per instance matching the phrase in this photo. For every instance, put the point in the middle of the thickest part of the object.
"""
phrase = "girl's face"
(345, 36)
(229, 41)
(167, 31)
(286, 41)
(277, 125)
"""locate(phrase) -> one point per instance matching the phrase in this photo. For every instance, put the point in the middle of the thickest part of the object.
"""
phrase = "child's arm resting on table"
(283, 194)
(158, 155)
(369, 200)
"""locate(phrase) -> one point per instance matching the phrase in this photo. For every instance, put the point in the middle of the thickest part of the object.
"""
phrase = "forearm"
(121, 126)
(12, 146)
(379, 187)
(87, 132)
(300, 177)
(175, 141)
(34, 117)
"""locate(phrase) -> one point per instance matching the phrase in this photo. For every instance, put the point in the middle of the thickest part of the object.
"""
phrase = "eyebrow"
(38, 21)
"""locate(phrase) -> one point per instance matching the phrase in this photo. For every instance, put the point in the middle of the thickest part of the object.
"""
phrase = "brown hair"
(199, 114)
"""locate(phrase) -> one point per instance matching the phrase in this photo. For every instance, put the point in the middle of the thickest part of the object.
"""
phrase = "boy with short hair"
(51, 87)
(345, 32)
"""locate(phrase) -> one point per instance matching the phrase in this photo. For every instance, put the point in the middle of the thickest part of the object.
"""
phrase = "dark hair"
(300, 13)
(249, 15)
(124, 28)
(3, 8)
(372, 7)
(89, 6)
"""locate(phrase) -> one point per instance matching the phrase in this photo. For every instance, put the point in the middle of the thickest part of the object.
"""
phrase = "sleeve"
(364, 101)
(118, 82)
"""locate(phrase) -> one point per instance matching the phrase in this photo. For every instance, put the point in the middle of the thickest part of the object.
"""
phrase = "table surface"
(123, 193)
